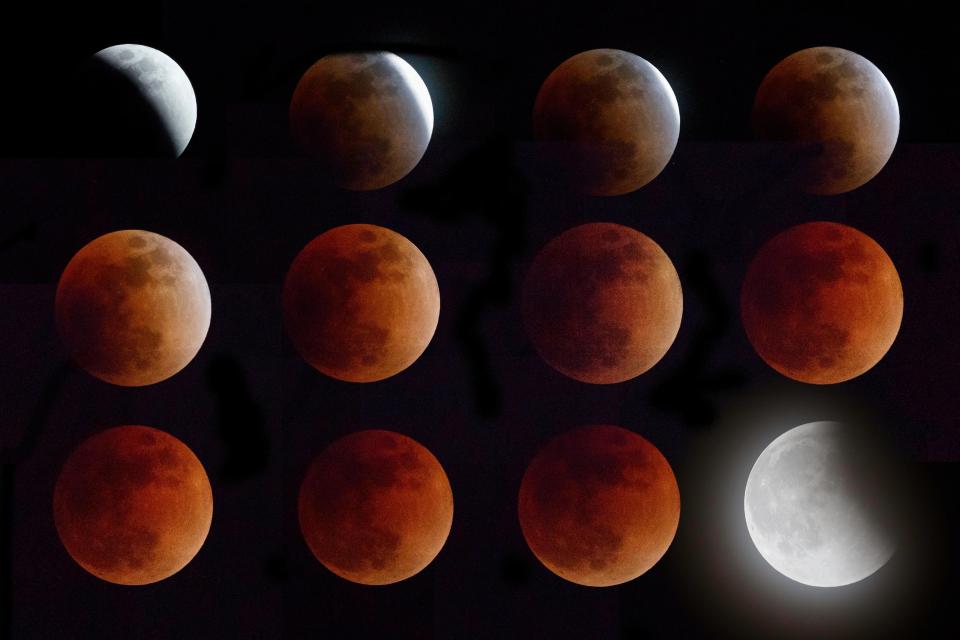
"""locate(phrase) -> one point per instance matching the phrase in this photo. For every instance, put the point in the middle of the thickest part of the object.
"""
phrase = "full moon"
(808, 508)
(360, 303)
(602, 303)
(367, 116)
(821, 303)
(132, 505)
(136, 101)
(613, 117)
(375, 507)
(599, 505)
(132, 308)
(836, 114)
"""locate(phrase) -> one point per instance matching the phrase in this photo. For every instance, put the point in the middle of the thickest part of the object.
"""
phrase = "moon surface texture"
(132, 308)
(822, 303)
(613, 118)
(132, 505)
(599, 505)
(375, 507)
(360, 303)
(366, 116)
(136, 101)
(602, 303)
(810, 508)
(836, 115)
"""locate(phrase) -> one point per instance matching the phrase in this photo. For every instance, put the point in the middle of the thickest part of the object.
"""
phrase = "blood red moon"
(602, 303)
(835, 115)
(822, 302)
(360, 303)
(132, 505)
(599, 505)
(132, 308)
(375, 507)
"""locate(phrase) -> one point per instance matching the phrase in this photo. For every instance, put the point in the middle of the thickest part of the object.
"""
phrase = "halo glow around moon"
(836, 114)
(132, 505)
(613, 117)
(808, 508)
(368, 117)
(145, 101)
(133, 307)
(375, 507)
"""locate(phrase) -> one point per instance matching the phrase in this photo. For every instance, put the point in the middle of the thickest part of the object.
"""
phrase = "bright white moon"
(806, 512)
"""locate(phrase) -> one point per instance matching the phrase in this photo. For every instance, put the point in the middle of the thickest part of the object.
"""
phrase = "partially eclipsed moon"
(132, 307)
(835, 113)
(602, 303)
(375, 507)
(132, 505)
(822, 303)
(613, 118)
(367, 116)
(599, 505)
(808, 508)
(360, 303)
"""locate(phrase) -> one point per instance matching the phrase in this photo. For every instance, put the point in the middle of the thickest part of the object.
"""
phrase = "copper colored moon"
(132, 505)
(614, 119)
(360, 303)
(821, 302)
(836, 114)
(132, 308)
(602, 303)
(375, 507)
(366, 116)
(599, 505)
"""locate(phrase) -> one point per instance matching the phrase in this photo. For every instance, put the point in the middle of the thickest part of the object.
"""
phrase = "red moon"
(599, 505)
(602, 303)
(613, 118)
(132, 308)
(360, 303)
(836, 114)
(132, 505)
(821, 302)
(375, 507)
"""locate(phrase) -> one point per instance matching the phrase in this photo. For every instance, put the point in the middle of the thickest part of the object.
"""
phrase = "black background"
(243, 201)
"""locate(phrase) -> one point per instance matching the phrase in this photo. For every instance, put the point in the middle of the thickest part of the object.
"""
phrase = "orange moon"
(360, 303)
(602, 303)
(614, 119)
(375, 507)
(821, 302)
(836, 113)
(132, 308)
(599, 505)
(367, 117)
(132, 505)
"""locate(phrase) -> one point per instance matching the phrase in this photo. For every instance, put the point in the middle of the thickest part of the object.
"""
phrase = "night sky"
(243, 201)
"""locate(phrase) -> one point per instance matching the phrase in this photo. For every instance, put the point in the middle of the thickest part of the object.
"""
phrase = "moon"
(821, 303)
(136, 101)
(602, 303)
(836, 113)
(808, 508)
(360, 303)
(375, 507)
(613, 117)
(132, 308)
(132, 505)
(367, 117)
(599, 505)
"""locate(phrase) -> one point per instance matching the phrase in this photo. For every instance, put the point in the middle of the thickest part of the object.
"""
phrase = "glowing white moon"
(162, 83)
(806, 511)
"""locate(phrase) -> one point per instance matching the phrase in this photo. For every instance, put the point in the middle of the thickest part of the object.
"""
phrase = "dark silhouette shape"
(486, 183)
(515, 569)
(25, 233)
(690, 391)
(928, 256)
(241, 423)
